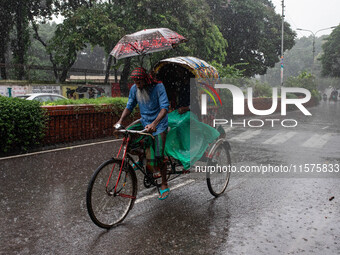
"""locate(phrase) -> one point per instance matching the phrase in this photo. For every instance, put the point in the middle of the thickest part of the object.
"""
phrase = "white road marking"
(59, 149)
(246, 135)
(142, 199)
(280, 138)
(317, 141)
(325, 127)
(228, 129)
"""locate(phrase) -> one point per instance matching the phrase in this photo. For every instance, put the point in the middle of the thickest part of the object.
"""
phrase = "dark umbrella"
(146, 41)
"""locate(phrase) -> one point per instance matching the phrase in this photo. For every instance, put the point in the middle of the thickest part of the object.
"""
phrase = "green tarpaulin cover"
(188, 138)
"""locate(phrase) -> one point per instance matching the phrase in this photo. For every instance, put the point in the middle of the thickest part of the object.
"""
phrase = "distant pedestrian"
(91, 93)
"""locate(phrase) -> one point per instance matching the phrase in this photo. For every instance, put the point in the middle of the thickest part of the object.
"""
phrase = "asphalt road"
(43, 210)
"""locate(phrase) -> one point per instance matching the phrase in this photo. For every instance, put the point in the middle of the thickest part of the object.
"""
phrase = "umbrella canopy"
(146, 41)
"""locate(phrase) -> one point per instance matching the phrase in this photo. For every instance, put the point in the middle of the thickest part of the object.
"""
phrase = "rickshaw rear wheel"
(218, 168)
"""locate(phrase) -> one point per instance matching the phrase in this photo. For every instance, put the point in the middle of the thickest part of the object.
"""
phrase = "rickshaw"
(112, 189)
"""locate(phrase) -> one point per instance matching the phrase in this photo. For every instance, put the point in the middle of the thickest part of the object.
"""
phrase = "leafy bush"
(291, 96)
(261, 89)
(95, 101)
(22, 124)
(307, 81)
(303, 80)
(117, 104)
(229, 71)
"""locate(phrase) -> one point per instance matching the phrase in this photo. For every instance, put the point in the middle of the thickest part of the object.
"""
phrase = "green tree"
(98, 26)
(297, 59)
(6, 23)
(67, 40)
(331, 57)
(304, 80)
(15, 16)
(228, 71)
(24, 13)
(105, 23)
(253, 31)
(63, 48)
(37, 52)
(191, 18)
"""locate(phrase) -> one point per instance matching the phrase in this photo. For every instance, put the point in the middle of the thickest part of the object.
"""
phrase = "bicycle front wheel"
(108, 199)
(218, 169)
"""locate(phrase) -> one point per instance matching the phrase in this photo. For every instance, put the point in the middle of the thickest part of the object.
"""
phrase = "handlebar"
(140, 132)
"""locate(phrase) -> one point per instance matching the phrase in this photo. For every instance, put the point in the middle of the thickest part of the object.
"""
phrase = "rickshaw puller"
(154, 105)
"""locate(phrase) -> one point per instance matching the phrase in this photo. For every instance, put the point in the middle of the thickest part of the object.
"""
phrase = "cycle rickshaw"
(112, 189)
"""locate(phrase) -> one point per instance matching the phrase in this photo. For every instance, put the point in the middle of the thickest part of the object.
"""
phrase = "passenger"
(188, 138)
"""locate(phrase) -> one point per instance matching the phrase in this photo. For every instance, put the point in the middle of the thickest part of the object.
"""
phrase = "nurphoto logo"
(239, 99)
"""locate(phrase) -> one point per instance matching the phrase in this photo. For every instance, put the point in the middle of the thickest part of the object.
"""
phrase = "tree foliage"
(243, 34)
(6, 23)
(331, 57)
(105, 23)
(298, 59)
(304, 80)
(228, 71)
(15, 17)
(37, 52)
(253, 31)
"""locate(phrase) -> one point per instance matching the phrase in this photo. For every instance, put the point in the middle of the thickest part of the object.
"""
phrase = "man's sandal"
(162, 191)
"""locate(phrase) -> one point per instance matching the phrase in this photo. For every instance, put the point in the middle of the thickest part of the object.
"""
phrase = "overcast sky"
(310, 14)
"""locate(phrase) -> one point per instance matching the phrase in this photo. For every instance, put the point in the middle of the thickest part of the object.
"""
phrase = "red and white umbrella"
(146, 41)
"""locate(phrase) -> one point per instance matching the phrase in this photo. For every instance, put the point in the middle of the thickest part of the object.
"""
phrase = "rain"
(196, 167)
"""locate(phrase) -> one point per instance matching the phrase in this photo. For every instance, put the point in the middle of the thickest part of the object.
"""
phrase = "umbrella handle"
(141, 59)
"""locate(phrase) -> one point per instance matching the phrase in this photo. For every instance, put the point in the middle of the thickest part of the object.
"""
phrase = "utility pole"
(283, 24)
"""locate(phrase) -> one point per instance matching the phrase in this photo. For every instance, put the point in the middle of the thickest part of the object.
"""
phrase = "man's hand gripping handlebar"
(120, 128)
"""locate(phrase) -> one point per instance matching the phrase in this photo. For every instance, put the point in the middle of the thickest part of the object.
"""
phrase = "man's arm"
(152, 127)
(125, 114)
(163, 104)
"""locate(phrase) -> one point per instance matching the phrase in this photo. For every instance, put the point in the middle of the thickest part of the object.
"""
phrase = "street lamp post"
(314, 36)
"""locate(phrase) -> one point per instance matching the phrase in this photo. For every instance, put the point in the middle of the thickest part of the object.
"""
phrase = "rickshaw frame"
(124, 187)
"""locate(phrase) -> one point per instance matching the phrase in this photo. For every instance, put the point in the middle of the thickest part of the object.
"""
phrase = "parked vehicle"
(42, 97)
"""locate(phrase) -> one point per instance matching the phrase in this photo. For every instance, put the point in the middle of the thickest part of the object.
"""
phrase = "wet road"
(43, 209)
